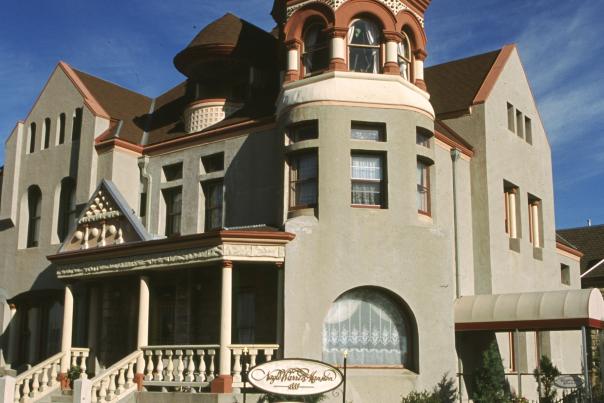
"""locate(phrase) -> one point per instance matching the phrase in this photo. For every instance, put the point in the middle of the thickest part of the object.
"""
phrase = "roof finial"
(589, 222)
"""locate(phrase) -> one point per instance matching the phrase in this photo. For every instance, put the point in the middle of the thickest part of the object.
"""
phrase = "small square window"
(303, 131)
(173, 172)
(368, 131)
(422, 137)
(213, 163)
(565, 274)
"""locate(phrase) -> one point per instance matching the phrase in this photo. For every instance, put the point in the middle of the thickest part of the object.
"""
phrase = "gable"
(106, 220)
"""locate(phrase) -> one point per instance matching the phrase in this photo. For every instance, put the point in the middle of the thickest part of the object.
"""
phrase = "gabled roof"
(457, 85)
(590, 241)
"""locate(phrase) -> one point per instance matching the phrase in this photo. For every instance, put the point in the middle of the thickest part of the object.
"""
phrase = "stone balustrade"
(115, 383)
(254, 354)
(186, 367)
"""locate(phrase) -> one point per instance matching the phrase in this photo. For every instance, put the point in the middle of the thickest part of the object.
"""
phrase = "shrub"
(545, 376)
(273, 398)
(443, 392)
(73, 374)
(489, 378)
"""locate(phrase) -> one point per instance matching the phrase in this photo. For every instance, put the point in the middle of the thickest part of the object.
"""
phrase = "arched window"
(372, 325)
(364, 46)
(61, 129)
(32, 138)
(404, 57)
(46, 140)
(67, 207)
(315, 57)
(76, 128)
(34, 204)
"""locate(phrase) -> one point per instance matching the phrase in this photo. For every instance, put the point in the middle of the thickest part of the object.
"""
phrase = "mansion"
(302, 193)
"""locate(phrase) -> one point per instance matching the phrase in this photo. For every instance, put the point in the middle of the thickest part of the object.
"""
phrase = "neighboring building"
(590, 241)
(300, 194)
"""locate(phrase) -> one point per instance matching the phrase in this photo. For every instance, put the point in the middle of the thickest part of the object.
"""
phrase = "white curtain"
(366, 179)
(403, 59)
(370, 326)
(363, 58)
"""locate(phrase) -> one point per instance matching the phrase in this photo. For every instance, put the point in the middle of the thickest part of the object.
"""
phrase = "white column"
(338, 48)
(535, 225)
(418, 69)
(292, 60)
(143, 321)
(512, 207)
(67, 329)
(226, 310)
(391, 52)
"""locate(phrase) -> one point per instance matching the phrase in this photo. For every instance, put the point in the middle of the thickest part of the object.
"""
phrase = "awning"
(550, 310)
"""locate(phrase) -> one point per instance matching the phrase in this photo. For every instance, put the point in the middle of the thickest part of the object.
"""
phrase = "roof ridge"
(586, 227)
(466, 58)
(110, 83)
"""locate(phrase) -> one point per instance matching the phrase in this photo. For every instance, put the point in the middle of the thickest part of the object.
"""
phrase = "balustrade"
(186, 367)
(116, 382)
(258, 354)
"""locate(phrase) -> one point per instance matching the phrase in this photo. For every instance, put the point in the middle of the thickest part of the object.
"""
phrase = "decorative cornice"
(396, 6)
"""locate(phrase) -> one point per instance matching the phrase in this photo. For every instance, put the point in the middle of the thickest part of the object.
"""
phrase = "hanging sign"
(568, 381)
(295, 377)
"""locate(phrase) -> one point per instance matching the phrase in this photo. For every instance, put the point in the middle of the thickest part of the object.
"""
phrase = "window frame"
(511, 226)
(293, 181)
(46, 136)
(424, 190)
(34, 216)
(209, 209)
(295, 128)
(401, 58)
(423, 137)
(534, 220)
(173, 225)
(31, 136)
(379, 126)
(382, 181)
(377, 47)
(67, 208)
(315, 49)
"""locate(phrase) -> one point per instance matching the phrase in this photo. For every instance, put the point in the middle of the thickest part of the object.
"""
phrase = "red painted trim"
(89, 100)
(452, 142)
(493, 75)
(119, 143)
(544, 324)
(568, 249)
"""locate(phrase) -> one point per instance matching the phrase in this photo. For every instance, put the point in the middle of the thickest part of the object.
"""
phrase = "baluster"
(93, 396)
(253, 352)
(111, 388)
(103, 390)
(17, 392)
(35, 384)
(44, 379)
(268, 352)
(130, 375)
(121, 380)
(83, 374)
(202, 366)
(170, 368)
(159, 370)
(53, 374)
(25, 388)
(150, 366)
(74, 358)
(237, 366)
(179, 367)
(211, 375)
(190, 377)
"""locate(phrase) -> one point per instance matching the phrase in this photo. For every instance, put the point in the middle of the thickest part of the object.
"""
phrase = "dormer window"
(404, 57)
(364, 46)
(316, 50)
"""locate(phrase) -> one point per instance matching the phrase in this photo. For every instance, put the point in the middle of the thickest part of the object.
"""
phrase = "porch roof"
(549, 310)
(173, 252)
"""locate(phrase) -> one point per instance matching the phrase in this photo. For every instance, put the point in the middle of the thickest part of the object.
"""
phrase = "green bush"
(443, 392)
(73, 374)
(272, 398)
(545, 376)
(489, 378)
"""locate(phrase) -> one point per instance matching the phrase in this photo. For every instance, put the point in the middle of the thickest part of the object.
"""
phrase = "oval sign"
(295, 377)
(568, 381)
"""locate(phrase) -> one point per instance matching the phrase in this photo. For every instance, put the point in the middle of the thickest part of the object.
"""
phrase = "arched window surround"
(67, 209)
(34, 215)
(386, 346)
(364, 45)
(315, 54)
(405, 57)
(31, 138)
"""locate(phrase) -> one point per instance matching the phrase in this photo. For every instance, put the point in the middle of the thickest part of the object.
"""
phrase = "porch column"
(224, 382)
(66, 335)
(517, 360)
(280, 306)
(13, 335)
(584, 348)
(143, 328)
(93, 321)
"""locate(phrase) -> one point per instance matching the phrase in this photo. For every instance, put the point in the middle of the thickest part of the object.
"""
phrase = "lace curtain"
(370, 326)
(366, 179)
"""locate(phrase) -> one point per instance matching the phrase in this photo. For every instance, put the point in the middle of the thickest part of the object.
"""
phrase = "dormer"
(366, 36)
(227, 64)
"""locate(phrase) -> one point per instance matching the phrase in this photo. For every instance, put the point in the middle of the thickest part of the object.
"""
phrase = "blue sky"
(132, 43)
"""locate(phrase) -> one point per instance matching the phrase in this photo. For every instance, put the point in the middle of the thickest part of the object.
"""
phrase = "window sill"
(538, 253)
(515, 244)
(301, 212)
(368, 206)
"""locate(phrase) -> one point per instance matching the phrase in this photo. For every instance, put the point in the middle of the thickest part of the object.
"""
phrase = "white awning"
(550, 310)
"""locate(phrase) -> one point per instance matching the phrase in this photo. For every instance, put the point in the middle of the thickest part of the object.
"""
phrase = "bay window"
(315, 57)
(364, 46)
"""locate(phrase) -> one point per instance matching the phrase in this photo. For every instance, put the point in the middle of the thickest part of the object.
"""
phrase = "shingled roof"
(453, 86)
(590, 241)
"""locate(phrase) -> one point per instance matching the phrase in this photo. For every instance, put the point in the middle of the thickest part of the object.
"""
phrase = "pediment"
(106, 220)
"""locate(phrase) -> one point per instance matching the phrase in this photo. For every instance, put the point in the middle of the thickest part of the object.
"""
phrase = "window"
(213, 192)
(510, 194)
(303, 131)
(46, 142)
(422, 137)
(364, 46)
(534, 215)
(519, 124)
(76, 128)
(368, 178)
(142, 208)
(213, 163)
(172, 172)
(512, 351)
(528, 130)
(61, 129)
(404, 57)
(173, 200)
(511, 124)
(368, 131)
(67, 207)
(34, 204)
(423, 187)
(32, 138)
(373, 326)
(315, 57)
(565, 274)
(303, 173)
